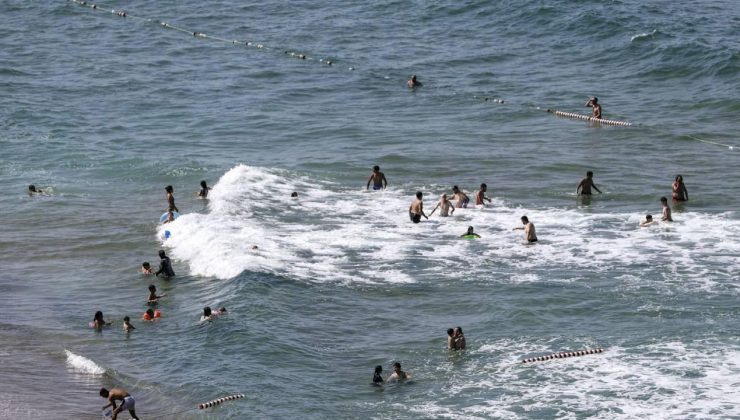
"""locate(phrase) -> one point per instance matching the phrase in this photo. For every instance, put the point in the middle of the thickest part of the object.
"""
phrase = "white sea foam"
(83, 364)
(333, 234)
(644, 35)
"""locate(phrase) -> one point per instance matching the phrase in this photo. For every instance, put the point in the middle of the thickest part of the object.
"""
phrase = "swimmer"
(666, 210)
(377, 378)
(445, 207)
(33, 190)
(416, 210)
(398, 374)
(480, 196)
(151, 315)
(165, 265)
(170, 198)
(584, 187)
(459, 339)
(209, 315)
(153, 297)
(413, 83)
(648, 221)
(528, 228)
(461, 198)
(204, 188)
(127, 324)
(596, 108)
(98, 321)
(170, 217)
(679, 190)
(294, 194)
(450, 339)
(470, 233)
(127, 401)
(378, 179)
(146, 268)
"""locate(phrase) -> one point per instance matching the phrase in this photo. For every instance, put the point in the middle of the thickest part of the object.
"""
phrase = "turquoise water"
(103, 112)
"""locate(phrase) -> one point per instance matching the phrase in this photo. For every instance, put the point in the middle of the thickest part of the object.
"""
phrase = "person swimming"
(146, 268)
(413, 82)
(127, 326)
(32, 190)
(209, 315)
(153, 297)
(204, 188)
(470, 234)
(648, 221)
(151, 315)
(377, 377)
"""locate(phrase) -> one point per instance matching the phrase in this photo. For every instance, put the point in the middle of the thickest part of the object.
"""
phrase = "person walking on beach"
(666, 210)
(445, 207)
(170, 198)
(595, 107)
(584, 187)
(480, 196)
(416, 210)
(118, 394)
(165, 265)
(679, 190)
(204, 188)
(461, 198)
(378, 179)
(413, 83)
(528, 228)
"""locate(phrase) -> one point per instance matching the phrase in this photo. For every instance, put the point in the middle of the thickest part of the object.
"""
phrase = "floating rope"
(563, 355)
(587, 118)
(218, 401)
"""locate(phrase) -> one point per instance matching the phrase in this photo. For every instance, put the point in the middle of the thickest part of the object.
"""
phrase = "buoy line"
(302, 56)
(562, 355)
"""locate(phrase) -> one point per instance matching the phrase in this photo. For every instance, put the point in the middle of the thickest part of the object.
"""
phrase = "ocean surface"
(102, 112)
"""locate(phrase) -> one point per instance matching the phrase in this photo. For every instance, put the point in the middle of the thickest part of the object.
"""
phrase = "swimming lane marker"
(219, 401)
(563, 355)
(587, 118)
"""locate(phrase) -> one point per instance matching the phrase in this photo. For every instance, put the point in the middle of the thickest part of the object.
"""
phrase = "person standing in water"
(378, 179)
(529, 233)
(648, 221)
(450, 339)
(98, 322)
(416, 210)
(413, 83)
(127, 402)
(204, 188)
(461, 198)
(459, 338)
(679, 190)
(445, 207)
(377, 377)
(584, 187)
(170, 198)
(666, 210)
(480, 196)
(165, 265)
(398, 374)
(595, 107)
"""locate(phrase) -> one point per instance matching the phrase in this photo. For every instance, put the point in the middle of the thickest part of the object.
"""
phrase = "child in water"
(151, 315)
(153, 297)
(377, 377)
(146, 268)
(127, 324)
(209, 315)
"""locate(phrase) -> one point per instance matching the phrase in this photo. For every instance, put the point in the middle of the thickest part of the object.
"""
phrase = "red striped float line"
(219, 401)
(563, 355)
(588, 118)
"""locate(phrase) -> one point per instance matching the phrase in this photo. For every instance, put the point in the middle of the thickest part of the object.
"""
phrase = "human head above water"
(525, 220)
(378, 369)
(649, 217)
(98, 316)
(207, 311)
(679, 178)
(483, 186)
(663, 200)
(168, 188)
(419, 195)
(162, 254)
(376, 168)
(589, 174)
(203, 184)
(152, 288)
(397, 366)
(470, 230)
(450, 331)
(32, 188)
(594, 100)
(104, 393)
(145, 264)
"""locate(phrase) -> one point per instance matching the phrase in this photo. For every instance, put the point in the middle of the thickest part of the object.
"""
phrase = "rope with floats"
(218, 401)
(562, 355)
(305, 57)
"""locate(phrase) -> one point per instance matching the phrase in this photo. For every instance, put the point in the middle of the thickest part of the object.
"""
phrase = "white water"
(83, 364)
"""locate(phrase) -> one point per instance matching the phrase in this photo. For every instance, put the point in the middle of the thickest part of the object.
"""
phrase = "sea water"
(102, 112)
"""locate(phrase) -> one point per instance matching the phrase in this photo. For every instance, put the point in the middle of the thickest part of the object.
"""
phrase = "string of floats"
(302, 56)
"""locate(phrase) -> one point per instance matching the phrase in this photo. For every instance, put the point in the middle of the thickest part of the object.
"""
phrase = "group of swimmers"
(152, 314)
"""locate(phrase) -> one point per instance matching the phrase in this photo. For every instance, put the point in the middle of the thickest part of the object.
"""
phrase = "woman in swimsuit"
(679, 189)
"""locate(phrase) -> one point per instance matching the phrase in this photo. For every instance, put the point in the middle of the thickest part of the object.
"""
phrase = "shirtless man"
(460, 197)
(648, 221)
(127, 401)
(398, 374)
(445, 206)
(666, 210)
(679, 190)
(412, 83)
(451, 339)
(528, 228)
(416, 210)
(378, 179)
(594, 104)
(171, 198)
(480, 196)
(584, 187)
